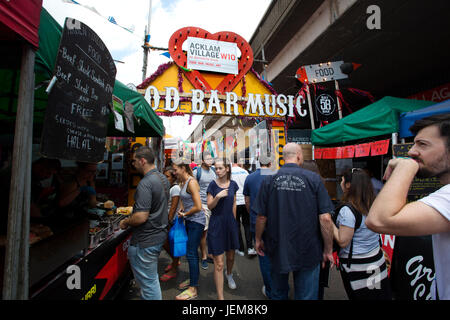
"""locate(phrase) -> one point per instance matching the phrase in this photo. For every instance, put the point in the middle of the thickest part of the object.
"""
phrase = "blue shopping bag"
(178, 238)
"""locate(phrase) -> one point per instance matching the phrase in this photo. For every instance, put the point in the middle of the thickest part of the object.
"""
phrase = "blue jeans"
(266, 271)
(306, 284)
(265, 267)
(144, 264)
(194, 232)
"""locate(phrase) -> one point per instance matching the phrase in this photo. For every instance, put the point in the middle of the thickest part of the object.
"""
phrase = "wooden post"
(16, 281)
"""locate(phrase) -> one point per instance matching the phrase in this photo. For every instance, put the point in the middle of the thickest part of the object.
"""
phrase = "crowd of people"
(290, 221)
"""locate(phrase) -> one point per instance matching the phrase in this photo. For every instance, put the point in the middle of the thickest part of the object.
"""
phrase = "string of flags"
(216, 147)
(111, 19)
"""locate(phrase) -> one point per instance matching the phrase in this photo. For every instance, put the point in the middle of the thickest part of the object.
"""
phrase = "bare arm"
(326, 229)
(247, 203)
(234, 207)
(173, 207)
(259, 229)
(136, 219)
(212, 201)
(390, 214)
(194, 189)
(343, 235)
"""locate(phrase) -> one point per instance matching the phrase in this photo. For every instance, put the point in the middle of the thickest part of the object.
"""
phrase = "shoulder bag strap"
(358, 218)
(166, 191)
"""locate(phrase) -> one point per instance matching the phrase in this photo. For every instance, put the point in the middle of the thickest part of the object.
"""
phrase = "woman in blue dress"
(223, 229)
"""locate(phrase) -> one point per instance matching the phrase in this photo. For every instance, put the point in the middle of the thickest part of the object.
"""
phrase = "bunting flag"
(375, 148)
(112, 20)
(165, 54)
(109, 18)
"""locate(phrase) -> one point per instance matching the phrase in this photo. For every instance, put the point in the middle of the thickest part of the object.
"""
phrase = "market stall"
(90, 250)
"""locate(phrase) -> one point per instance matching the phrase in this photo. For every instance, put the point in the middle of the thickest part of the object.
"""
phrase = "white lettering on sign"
(273, 105)
(149, 96)
(172, 94)
(231, 103)
(323, 72)
(415, 268)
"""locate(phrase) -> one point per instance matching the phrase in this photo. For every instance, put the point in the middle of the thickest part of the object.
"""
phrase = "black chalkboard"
(77, 114)
(420, 186)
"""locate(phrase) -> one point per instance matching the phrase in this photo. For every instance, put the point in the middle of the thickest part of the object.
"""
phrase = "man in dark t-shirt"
(149, 222)
(294, 209)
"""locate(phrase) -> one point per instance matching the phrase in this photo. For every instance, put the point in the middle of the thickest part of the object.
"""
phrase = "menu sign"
(419, 186)
(77, 114)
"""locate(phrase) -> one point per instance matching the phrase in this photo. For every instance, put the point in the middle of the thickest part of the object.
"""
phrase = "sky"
(167, 16)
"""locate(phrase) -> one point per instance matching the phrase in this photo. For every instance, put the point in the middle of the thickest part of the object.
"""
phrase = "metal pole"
(311, 116)
(15, 279)
(146, 47)
(264, 64)
(337, 99)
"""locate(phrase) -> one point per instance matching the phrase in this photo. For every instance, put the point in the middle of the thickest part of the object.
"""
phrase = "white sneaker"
(264, 291)
(231, 283)
(251, 252)
(241, 253)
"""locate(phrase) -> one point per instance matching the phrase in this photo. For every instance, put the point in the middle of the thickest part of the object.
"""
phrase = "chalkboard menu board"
(77, 114)
(419, 187)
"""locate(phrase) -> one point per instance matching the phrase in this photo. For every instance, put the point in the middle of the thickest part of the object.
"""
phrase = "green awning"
(379, 118)
(148, 124)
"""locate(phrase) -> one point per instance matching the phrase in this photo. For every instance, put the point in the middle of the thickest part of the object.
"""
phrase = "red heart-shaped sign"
(194, 76)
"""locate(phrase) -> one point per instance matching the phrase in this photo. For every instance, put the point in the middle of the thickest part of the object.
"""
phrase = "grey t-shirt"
(205, 179)
(151, 196)
(364, 239)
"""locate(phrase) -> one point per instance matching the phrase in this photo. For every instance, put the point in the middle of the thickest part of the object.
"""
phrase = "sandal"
(166, 277)
(169, 267)
(186, 295)
(184, 285)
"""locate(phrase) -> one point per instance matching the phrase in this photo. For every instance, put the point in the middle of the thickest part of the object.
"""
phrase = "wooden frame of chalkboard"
(77, 114)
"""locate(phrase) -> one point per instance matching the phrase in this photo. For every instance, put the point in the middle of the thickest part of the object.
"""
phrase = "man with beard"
(148, 222)
(390, 214)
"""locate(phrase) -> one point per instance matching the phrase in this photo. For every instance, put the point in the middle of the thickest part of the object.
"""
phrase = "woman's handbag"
(178, 238)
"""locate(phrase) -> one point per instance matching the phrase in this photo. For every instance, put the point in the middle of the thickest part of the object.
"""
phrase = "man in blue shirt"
(251, 188)
(292, 206)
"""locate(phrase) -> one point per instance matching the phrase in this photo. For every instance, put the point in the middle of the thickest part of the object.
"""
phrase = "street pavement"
(245, 273)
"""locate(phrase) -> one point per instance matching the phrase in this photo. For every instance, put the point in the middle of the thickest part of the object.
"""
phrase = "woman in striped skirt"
(362, 264)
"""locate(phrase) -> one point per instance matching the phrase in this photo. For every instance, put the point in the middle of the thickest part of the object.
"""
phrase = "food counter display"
(87, 261)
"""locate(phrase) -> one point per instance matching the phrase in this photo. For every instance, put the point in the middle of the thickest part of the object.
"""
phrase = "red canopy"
(21, 17)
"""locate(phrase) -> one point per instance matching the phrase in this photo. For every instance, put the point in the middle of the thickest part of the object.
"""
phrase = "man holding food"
(148, 222)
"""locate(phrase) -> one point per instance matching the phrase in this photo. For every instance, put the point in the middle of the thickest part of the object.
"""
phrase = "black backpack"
(358, 217)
